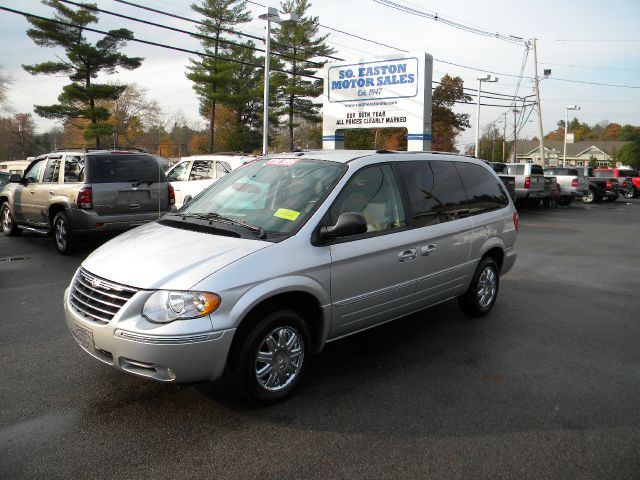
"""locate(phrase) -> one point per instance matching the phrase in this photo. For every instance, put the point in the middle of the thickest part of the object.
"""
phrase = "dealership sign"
(381, 93)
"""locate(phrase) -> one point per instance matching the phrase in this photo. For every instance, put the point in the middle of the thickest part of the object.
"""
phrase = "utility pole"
(515, 135)
(538, 106)
(504, 138)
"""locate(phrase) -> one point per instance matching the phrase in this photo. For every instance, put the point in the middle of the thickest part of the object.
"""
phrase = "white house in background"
(579, 154)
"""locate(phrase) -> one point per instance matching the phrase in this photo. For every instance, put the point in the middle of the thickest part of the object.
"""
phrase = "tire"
(9, 227)
(589, 196)
(629, 194)
(483, 291)
(613, 199)
(269, 360)
(62, 235)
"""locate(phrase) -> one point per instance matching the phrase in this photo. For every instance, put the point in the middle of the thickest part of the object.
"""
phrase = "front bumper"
(181, 351)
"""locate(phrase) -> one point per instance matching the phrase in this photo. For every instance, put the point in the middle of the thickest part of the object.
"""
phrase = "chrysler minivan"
(288, 253)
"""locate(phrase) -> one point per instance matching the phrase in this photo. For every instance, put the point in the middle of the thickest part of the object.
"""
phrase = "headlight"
(166, 306)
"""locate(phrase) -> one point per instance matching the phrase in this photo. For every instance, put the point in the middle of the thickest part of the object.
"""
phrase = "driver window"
(179, 172)
(372, 192)
(33, 175)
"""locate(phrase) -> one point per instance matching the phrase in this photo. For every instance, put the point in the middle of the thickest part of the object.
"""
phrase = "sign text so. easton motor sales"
(373, 80)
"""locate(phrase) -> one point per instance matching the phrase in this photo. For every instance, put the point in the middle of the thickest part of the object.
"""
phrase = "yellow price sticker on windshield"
(286, 214)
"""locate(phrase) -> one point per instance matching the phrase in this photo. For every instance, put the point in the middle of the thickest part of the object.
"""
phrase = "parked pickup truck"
(509, 181)
(529, 182)
(628, 178)
(600, 188)
(572, 183)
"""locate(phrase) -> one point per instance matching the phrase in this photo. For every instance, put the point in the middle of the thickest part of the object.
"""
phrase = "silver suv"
(288, 253)
(71, 193)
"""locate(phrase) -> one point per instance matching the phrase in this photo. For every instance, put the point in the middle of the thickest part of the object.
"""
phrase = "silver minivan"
(288, 253)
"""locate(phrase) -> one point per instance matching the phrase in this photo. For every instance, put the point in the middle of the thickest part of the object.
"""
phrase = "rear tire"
(269, 360)
(483, 291)
(589, 196)
(629, 194)
(62, 235)
(9, 227)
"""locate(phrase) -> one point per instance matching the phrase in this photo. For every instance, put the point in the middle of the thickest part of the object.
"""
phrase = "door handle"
(428, 249)
(32, 192)
(52, 192)
(407, 255)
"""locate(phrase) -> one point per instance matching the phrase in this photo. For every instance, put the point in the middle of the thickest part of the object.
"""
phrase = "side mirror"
(187, 200)
(349, 223)
(15, 178)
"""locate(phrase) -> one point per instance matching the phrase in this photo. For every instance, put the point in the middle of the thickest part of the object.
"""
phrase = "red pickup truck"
(631, 176)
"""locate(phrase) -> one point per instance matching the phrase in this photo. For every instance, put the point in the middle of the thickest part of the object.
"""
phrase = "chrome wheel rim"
(279, 358)
(487, 285)
(61, 234)
(588, 197)
(6, 219)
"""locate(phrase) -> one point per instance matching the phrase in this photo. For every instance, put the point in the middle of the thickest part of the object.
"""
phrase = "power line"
(147, 42)
(460, 26)
(178, 30)
(229, 30)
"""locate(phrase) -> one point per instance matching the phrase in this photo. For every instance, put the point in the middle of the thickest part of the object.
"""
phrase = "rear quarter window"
(484, 191)
(116, 168)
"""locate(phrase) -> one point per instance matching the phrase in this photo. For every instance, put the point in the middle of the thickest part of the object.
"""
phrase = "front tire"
(483, 291)
(62, 235)
(9, 227)
(270, 359)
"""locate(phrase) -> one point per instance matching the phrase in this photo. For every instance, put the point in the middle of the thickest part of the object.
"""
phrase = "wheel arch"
(299, 294)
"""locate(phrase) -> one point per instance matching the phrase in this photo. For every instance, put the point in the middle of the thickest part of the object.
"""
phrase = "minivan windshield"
(275, 195)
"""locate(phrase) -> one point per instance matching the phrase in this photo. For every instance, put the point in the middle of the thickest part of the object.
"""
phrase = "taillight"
(574, 182)
(516, 221)
(85, 198)
(527, 182)
(172, 195)
(607, 184)
(624, 184)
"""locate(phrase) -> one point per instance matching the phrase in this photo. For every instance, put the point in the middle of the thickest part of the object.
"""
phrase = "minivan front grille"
(96, 298)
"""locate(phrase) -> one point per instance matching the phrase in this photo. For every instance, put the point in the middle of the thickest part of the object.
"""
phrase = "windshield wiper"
(228, 220)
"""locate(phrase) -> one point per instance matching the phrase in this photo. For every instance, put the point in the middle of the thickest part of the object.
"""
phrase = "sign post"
(388, 92)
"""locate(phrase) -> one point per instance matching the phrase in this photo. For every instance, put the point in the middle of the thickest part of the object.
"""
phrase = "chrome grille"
(96, 298)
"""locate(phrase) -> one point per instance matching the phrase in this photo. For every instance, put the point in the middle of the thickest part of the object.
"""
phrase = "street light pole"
(566, 130)
(270, 15)
(481, 78)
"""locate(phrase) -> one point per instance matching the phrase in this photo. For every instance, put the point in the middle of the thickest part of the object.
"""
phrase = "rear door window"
(202, 170)
(484, 191)
(435, 192)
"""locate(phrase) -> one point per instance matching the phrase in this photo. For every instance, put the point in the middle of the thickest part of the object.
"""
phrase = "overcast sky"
(584, 41)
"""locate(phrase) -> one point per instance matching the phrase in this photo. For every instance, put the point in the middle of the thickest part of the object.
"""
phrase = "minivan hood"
(155, 256)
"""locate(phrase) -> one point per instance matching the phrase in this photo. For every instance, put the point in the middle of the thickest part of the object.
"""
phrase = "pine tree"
(84, 61)
(299, 43)
(212, 74)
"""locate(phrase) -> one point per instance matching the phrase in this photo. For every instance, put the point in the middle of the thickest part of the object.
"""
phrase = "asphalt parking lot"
(546, 386)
